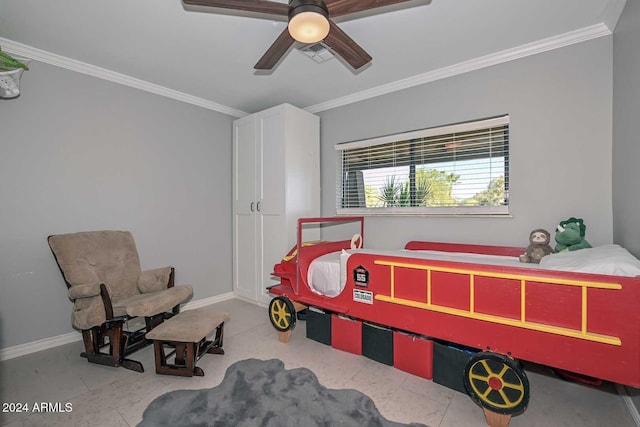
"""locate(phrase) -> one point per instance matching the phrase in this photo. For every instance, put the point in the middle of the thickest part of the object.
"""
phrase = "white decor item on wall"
(11, 70)
(10, 83)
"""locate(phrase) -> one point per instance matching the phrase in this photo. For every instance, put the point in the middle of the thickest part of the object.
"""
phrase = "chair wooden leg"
(94, 340)
(115, 342)
(153, 321)
(90, 345)
(100, 336)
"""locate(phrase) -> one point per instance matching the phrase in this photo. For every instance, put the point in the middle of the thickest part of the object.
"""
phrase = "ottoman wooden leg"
(186, 334)
(192, 358)
(180, 353)
(216, 344)
(159, 356)
(186, 354)
(184, 363)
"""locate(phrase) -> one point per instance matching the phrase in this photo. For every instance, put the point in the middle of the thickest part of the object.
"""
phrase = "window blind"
(454, 169)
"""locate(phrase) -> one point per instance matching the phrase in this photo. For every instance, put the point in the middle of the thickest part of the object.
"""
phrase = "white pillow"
(613, 260)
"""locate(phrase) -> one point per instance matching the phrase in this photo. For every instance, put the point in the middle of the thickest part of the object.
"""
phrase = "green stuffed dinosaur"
(570, 235)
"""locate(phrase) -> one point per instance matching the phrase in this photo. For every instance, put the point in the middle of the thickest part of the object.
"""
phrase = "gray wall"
(626, 129)
(80, 153)
(560, 105)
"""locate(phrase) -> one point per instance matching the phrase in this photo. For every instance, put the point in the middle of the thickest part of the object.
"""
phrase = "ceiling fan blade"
(345, 7)
(346, 47)
(275, 51)
(260, 6)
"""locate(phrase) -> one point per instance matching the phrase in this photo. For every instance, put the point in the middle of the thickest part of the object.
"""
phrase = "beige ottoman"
(186, 335)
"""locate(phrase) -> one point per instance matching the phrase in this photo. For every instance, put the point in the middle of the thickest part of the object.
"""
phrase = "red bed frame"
(577, 322)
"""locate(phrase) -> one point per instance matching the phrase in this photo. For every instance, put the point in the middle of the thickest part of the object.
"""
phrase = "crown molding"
(612, 12)
(540, 46)
(20, 49)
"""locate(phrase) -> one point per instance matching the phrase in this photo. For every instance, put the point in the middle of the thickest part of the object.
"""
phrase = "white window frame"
(502, 210)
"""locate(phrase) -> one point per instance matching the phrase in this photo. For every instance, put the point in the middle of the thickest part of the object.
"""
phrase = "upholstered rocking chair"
(105, 282)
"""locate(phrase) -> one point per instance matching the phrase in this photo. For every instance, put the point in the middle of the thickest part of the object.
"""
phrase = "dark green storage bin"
(377, 343)
(319, 326)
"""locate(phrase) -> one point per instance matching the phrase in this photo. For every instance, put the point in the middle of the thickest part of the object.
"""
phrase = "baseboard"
(251, 301)
(208, 301)
(46, 343)
(633, 411)
(39, 345)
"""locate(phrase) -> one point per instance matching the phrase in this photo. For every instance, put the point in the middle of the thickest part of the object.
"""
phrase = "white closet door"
(276, 180)
(244, 224)
(272, 234)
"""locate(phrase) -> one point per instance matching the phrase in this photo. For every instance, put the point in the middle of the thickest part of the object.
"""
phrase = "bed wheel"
(497, 383)
(282, 314)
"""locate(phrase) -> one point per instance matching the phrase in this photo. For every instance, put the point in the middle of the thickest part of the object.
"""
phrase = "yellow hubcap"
(280, 314)
(499, 386)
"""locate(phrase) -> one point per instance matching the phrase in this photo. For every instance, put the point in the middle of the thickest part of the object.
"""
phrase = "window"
(448, 170)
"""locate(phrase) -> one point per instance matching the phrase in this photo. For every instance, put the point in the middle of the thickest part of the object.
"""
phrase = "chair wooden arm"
(106, 300)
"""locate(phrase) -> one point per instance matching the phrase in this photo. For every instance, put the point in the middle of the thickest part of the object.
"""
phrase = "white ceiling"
(208, 58)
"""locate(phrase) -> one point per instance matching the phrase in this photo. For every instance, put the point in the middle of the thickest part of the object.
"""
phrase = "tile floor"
(103, 396)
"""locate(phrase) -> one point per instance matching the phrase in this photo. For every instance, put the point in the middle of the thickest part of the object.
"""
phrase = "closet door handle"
(252, 203)
(258, 206)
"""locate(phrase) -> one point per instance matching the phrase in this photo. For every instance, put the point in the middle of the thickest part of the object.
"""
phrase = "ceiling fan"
(310, 21)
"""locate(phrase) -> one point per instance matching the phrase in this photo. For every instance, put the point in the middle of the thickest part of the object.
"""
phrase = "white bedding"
(613, 260)
(323, 275)
(327, 274)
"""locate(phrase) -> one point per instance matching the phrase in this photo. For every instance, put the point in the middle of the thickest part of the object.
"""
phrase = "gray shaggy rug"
(263, 393)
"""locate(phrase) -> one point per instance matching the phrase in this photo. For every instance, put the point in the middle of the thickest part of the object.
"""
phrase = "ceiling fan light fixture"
(308, 23)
